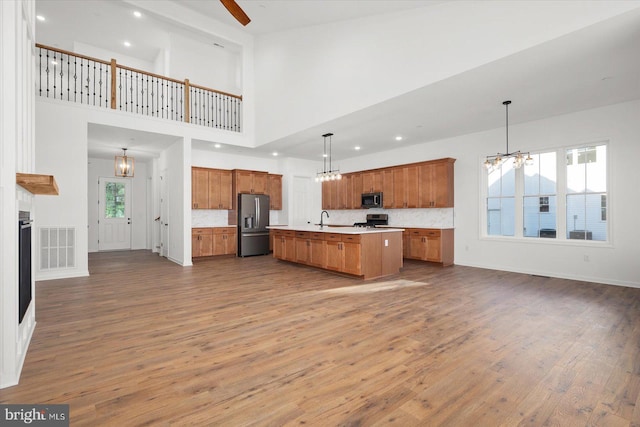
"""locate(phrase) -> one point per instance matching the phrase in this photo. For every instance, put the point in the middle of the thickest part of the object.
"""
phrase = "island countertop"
(335, 229)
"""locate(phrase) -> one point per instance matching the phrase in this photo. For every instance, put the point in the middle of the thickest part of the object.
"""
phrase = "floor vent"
(57, 247)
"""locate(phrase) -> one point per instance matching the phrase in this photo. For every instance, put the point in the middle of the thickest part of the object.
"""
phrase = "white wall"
(102, 168)
(311, 75)
(176, 159)
(205, 64)
(107, 55)
(614, 263)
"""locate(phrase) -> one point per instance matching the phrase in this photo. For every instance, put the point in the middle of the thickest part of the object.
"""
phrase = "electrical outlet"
(386, 242)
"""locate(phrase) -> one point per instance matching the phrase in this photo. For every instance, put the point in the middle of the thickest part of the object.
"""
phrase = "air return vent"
(57, 247)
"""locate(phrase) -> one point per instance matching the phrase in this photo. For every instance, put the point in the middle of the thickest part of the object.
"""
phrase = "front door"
(115, 214)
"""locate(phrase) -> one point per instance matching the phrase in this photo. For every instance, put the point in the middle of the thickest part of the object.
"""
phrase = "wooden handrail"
(216, 91)
(124, 67)
(66, 52)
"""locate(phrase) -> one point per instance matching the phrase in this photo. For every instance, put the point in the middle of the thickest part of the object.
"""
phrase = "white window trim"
(561, 195)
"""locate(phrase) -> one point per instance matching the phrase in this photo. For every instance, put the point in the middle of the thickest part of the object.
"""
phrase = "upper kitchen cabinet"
(275, 191)
(220, 189)
(249, 182)
(210, 188)
(436, 184)
(199, 188)
(372, 181)
(387, 188)
(405, 186)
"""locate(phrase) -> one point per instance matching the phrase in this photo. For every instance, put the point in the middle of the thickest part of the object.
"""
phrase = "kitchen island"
(368, 253)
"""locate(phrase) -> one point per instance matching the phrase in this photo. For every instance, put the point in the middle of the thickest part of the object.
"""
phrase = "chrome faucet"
(321, 216)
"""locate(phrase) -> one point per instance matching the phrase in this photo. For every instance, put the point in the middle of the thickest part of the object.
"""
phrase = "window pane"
(548, 173)
(500, 216)
(114, 196)
(586, 193)
(539, 216)
(532, 176)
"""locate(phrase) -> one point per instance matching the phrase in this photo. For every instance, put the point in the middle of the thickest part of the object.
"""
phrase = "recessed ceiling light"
(53, 62)
(325, 155)
(274, 153)
(217, 145)
(137, 14)
(357, 147)
(398, 138)
(127, 44)
(40, 18)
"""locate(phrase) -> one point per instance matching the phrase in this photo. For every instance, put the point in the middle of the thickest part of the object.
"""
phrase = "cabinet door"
(244, 181)
(326, 195)
(433, 252)
(334, 255)
(199, 188)
(219, 244)
(289, 248)
(260, 180)
(275, 192)
(201, 242)
(302, 250)
(226, 199)
(436, 184)
(405, 187)
(317, 252)
(278, 245)
(387, 188)
(417, 245)
(372, 181)
(356, 191)
(352, 255)
(411, 187)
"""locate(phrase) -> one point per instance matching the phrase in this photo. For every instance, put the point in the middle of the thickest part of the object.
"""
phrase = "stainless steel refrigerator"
(253, 219)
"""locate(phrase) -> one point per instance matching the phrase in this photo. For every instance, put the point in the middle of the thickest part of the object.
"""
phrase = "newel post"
(113, 84)
(186, 100)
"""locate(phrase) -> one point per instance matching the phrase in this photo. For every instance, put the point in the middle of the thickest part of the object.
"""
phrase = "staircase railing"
(82, 79)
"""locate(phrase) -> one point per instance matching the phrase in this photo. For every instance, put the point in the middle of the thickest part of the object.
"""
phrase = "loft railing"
(82, 79)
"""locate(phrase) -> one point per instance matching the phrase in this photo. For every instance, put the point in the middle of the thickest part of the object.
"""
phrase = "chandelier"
(327, 174)
(493, 162)
(124, 165)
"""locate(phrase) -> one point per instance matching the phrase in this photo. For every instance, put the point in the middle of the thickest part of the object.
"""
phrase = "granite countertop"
(338, 229)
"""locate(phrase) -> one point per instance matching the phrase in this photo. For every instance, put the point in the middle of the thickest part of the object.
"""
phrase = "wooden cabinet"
(274, 191)
(415, 185)
(201, 242)
(249, 182)
(372, 181)
(405, 186)
(208, 241)
(436, 184)
(428, 244)
(210, 188)
(224, 240)
(366, 255)
(220, 189)
(284, 245)
(199, 188)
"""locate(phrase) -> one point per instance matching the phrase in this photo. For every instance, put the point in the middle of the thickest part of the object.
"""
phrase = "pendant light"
(124, 165)
(493, 162)
(329, 174)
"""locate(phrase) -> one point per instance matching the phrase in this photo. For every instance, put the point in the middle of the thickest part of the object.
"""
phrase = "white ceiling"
(596, 66)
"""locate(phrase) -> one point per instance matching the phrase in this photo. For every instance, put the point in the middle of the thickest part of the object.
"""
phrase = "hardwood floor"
(254, 341)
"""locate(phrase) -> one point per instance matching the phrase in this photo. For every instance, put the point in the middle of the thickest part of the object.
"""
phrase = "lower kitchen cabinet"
(201, 242)
(429, 244)
(367, 255)
(208, 241)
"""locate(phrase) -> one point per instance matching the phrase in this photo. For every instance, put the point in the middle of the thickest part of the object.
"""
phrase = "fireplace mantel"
(37, 183)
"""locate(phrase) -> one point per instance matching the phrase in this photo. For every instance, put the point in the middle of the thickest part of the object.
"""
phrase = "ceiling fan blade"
(236, 11)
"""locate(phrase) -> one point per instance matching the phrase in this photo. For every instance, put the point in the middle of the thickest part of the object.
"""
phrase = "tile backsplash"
(209, 218)
(418, 218)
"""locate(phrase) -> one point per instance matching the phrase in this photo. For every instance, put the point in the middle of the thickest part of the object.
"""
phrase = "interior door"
(164, 215)
(114, 214)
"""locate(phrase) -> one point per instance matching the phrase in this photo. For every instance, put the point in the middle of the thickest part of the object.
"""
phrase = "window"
(114, 206)
(551, 198)
(587, 193)
(540, 201)
(501, 200)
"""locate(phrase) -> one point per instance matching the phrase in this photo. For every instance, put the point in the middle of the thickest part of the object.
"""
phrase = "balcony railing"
(81, 79)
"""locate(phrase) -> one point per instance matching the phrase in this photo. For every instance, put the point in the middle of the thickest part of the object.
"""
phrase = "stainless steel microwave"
(371, 200)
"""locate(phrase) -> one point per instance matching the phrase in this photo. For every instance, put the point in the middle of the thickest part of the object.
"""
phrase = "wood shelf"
(37, 183)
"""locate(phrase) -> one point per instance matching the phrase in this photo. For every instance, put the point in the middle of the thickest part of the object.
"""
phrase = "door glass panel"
(114, 197)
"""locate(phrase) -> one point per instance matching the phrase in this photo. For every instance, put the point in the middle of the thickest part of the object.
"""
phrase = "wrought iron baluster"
(68, 78)
(94, 82)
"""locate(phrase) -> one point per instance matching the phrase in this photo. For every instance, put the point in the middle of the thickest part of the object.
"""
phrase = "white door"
(301, 200)
(114, 217)
(164, 215)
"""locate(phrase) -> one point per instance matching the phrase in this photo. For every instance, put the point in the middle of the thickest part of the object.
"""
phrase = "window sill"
(549, 241)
